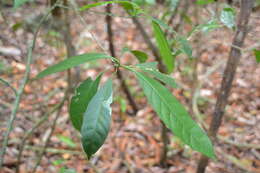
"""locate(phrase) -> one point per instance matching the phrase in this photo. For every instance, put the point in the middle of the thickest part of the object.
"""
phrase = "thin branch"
(162, 68)
(55, 150)
(21, 89)
(9, 85)
(50, 134)
(118, 71)
(30, 132)
(228, 76)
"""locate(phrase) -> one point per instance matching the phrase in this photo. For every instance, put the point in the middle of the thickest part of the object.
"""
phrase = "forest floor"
(133, 144)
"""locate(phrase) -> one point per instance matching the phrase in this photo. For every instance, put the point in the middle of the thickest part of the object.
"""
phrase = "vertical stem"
(112, 52)
(21, 89)
(228, 76)
(162, 69)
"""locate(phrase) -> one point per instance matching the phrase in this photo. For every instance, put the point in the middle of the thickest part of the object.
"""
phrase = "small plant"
(90, 110)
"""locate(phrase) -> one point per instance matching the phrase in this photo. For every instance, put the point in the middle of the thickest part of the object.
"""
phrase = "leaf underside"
(96, 120)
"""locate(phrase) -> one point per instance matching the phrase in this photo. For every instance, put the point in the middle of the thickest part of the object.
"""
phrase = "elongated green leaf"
(96, 120)
(148, 65)
(71, 62)
(204, 2)
(174, 115)
(227, 17)
(66, 140)
(81, 99)
(18, 3)
(131, 7)
(160, 76)
(164, 47)
(141, 56)
(257, 55)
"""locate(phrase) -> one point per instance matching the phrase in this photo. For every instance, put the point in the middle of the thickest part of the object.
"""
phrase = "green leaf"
(18, 3)
(204, 2)
(148, 65)
(81, 99)
(123, 104)
(58, 162)
(227, 17)
(71, 62)
(141, 56)
(67, 141)
(160, 76)
(174, 115)
(65, 170)
(129, 6)
(211, 25)
(96, 120)
(257, 55)
(164, 47)
(185, 46)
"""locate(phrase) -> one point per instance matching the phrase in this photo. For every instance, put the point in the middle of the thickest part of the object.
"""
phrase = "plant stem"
(228, 77)
(9, 85)
(162, 69)
(21, 89)
(29, 132)
(49, 136)
(118, 72)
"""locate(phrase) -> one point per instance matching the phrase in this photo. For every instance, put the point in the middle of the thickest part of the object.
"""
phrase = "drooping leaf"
(160, 76)
(81, 99)
(71, 62)
(66, 140)
(174, 115)
(227, 17)
(164, 47)
(129, 6)
(257, 55)
(185, 46)
(141, 56)
(18, 3)
(96, 120)
(148, 65)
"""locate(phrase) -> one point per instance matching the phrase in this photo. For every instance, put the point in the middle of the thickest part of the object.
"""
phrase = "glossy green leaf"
(257, 55)
(96, 120)
(129, 6)
(18, 3)
(141, 56)
(174, 115)
(66, 140)
(81, 99)
(227, 17)
(164, 78)
(71, 62)
(164, 47)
